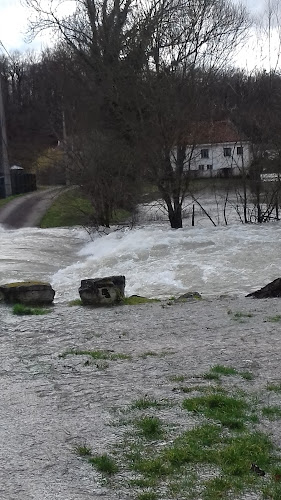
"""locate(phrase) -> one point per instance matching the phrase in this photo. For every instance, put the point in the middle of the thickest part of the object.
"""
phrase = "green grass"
(240, 316)
(71, 208)
(274, 387)
(98, 354)
(211, 460)
(272, 412)
(217, 371)
(240, 451)
(223, 370)
(206, 446)
(145, 403)
(148, 495)
(75, 302)
(194, 446)
(274, 319)
(177, 378)
(153, 354)
(22, 310)
(104, 464)
(230, 411)
(150, 427)
(83, 451)
(135, 300)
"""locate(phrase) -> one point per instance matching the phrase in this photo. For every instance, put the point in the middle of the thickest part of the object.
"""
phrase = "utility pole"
(4, 146)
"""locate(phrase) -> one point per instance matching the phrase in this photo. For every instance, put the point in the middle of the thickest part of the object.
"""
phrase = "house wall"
(220, 156)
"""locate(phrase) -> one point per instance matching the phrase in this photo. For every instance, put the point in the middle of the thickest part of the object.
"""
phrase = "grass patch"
(274, 319)
(194, 446)
(220, 370)
(75, 302)
(83, 451)
(71, 208)
(177, 378)
(274, 387)
(150, 427)
(104, 464)
(223, 370)
(153, 354)
(134, 300)
(240, 451)
(230, 411)
(210, 461)
(239, 316)
(148, 495)
(22, 310)
(272, 412)
(98, 354)
(145, 403)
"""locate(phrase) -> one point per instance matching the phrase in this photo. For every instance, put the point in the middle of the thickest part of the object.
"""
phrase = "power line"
(5, 50)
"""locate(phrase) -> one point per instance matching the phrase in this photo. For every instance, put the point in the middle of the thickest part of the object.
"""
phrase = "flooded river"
(49, 404)
(157, 261)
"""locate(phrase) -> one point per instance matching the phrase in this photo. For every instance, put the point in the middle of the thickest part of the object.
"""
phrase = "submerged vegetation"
(22, 310)
(96, 354)
(221, 453)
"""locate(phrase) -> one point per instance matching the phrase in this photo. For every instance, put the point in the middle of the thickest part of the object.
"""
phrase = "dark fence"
(20, 183)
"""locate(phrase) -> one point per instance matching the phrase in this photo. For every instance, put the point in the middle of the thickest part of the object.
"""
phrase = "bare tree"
(184, 55)
(142, 64)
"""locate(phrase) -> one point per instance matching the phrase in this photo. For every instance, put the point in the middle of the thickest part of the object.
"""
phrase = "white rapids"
(156, 260)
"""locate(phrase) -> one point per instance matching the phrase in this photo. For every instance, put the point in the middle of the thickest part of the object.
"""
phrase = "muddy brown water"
(49, 404)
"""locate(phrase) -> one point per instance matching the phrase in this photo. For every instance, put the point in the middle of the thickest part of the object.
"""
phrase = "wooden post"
(193, 215)
(4, 146)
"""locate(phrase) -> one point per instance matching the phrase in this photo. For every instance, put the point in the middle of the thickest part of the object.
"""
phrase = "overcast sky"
(14, 21)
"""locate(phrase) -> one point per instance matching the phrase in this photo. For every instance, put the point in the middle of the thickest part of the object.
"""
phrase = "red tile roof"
(214, 133)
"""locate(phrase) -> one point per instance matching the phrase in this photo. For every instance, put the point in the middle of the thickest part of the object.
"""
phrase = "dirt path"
(28, 210)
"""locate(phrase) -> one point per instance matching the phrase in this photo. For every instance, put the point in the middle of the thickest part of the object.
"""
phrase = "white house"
(217, 149)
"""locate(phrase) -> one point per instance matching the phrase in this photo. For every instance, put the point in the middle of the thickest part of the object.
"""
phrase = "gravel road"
(49, 405)
(28, 210)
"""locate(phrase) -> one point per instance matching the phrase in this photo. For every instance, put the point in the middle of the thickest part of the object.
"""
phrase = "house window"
(209, 167)
(201, 168)
(226, 151)
(204, 153)
(239, 150)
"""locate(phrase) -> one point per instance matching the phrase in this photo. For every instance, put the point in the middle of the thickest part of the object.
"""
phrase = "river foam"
(160, 262)
(156, 260)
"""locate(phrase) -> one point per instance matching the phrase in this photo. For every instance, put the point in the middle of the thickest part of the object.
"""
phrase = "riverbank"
(54, 402)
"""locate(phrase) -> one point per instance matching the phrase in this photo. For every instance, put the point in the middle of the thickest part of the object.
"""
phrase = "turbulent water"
(50, 404)
(157, 261)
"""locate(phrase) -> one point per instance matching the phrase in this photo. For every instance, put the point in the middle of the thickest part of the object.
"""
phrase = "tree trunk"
(175, 217)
